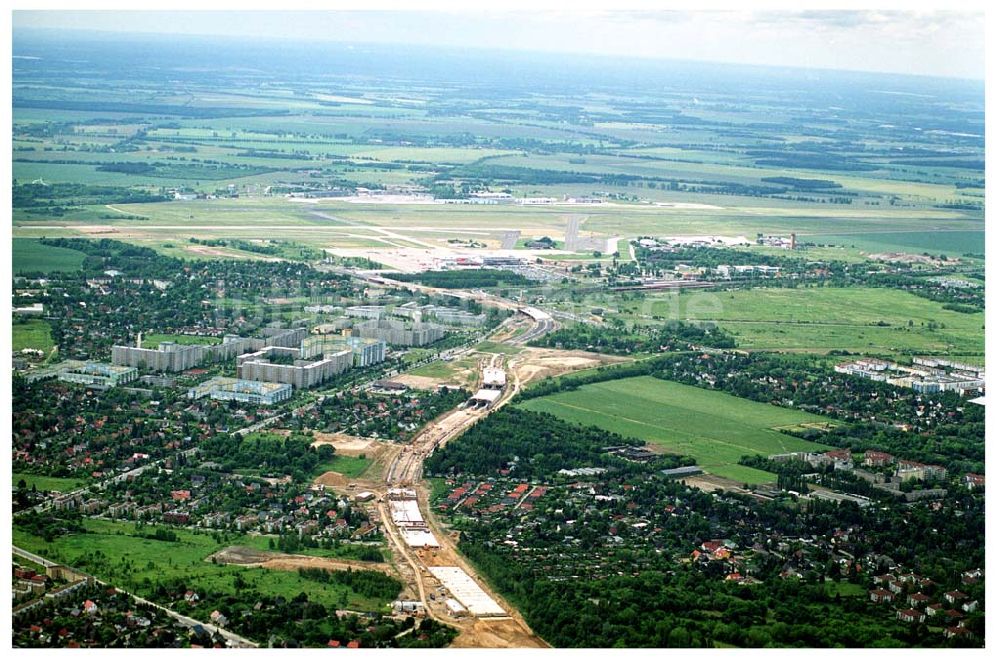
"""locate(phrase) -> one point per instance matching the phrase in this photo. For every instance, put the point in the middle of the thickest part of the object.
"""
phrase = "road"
(406, 471)
(541, 327)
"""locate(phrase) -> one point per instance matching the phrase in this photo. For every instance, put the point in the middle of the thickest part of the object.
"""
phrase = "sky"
(927, 42)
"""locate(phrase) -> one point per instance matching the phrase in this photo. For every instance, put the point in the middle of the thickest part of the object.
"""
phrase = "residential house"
(910, 615)
(975, 481)
(877, 459)
(953, 632)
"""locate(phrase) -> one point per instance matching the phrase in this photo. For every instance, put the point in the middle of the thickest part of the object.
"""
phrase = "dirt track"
(249, 557)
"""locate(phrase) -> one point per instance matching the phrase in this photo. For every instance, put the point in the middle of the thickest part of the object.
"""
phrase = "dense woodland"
(479, 278)
(618, 340)
(533, 445)
(271, 454)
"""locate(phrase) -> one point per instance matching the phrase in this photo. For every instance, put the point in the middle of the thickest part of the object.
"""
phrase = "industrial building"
(406, 515)
(96, 374)
(681, 472)
(243, 391)
(467, 591)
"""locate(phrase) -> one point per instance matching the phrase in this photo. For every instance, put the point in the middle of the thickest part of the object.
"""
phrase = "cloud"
(904, 21)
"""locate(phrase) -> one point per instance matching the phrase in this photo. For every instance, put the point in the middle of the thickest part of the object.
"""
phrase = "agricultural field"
(118, 552)
(284, 172)
(713, 427)
(32, 256)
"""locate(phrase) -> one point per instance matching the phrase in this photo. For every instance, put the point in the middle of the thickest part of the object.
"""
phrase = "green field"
(30, 255)
(823, 319)
(47, 483)
(493, 348)
(349, 466)
(437, 369)
(34, 333)
(111, 551)
(443, 370)
(153, 340)
(713, 427)
(952, 243)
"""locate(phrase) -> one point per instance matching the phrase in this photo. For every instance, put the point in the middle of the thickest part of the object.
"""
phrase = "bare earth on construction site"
(237, 555)
(495, 633)
(710, 483)
(349, 445)
(540, 363)
(419, 381)
(331, 479)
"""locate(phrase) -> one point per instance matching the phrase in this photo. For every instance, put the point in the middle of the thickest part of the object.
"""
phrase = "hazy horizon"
(935, 44)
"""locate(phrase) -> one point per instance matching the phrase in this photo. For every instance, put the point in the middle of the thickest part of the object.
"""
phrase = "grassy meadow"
(868, 320)
(349, 466)
(713, 427)
(115, 551)
(153, 340)
(32, 333)
(47, 483)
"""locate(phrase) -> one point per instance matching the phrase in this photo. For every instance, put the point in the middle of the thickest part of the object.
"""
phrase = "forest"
(482, 278)
(271, 454)
(534, 445)
(617, 340)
